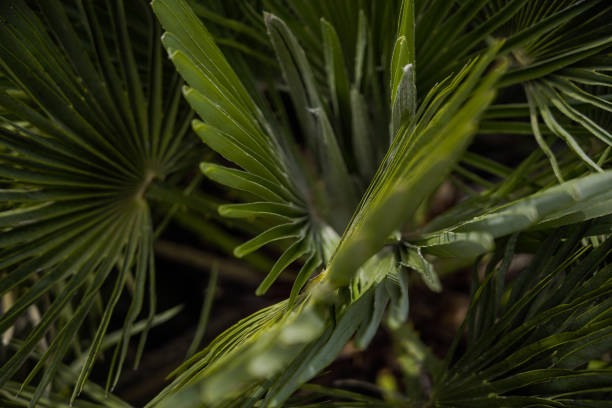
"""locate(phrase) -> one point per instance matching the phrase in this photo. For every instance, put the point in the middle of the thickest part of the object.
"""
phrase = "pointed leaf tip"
(206, 167)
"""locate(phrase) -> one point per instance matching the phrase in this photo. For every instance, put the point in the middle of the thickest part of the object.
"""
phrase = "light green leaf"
(294, 252)
(283, 231)
(242, 180)
(413, 258)
(287, 211)
(404, 106)
(408, 174)
(337, 76)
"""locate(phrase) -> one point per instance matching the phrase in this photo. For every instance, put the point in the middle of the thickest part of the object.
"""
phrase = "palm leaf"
(398, 183)
(237, 129)
(533, 339)
(268, 347)
(546, 344)
(572, 202)
(92, 130)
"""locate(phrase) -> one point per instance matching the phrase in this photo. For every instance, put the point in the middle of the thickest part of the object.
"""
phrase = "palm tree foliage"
(339, 143)
(534, 343)
(88, 123)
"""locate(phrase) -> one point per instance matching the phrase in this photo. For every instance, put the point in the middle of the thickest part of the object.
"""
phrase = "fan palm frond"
(88, 124)
(532, 343)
